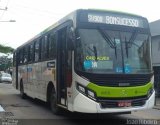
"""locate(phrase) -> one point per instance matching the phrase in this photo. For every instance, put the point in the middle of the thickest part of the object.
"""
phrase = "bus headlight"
(85, 91)
(81, 88)
(91, 94)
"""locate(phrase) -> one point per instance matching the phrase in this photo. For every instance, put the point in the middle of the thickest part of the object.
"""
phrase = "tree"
(5, 61)
(6, 49)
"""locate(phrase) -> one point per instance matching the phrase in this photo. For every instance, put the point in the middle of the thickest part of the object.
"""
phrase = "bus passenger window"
(44, 52)
(30, 53)
(21, 56)
(36, 52)
(25, 54)
(52, 46)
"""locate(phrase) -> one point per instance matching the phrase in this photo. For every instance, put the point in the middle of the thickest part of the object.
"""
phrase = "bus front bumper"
(86, 105)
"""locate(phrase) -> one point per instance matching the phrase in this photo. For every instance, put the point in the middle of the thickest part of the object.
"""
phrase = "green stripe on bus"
(103, 91)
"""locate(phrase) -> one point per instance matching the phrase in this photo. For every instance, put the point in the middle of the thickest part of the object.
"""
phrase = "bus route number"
(95, 18)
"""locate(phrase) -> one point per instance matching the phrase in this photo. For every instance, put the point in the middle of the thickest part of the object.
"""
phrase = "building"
(155, 32)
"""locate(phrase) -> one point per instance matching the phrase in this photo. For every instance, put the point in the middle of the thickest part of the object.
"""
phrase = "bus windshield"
(112, 52)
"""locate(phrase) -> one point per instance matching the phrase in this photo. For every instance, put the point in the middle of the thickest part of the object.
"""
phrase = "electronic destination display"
(114, 19)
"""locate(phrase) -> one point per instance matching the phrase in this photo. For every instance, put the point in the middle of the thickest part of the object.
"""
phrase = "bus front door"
(61, 67)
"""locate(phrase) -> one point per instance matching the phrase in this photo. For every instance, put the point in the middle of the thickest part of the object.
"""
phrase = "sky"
(33, 16)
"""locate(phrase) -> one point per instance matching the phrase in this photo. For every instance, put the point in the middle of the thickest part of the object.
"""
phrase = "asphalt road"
(35, 112)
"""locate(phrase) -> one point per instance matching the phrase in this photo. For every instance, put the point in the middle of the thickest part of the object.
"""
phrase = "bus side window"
(30, 53)
(25, 55)
(21, 56)
(37, 51)
(44, 52)
(52, 46)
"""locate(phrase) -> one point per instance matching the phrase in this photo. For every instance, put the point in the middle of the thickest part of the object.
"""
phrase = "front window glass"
(137, 55)
(106, 51)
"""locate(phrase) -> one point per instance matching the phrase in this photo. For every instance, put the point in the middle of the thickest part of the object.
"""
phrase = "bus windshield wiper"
(130, 42)
(133, 37)
(94, 51)
(107, 38)
(126, 46)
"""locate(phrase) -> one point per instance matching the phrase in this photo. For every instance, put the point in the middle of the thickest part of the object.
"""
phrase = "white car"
(5, 77)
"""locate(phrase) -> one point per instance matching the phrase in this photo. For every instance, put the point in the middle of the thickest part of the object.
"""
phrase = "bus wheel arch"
(52, 98)
(50, 86)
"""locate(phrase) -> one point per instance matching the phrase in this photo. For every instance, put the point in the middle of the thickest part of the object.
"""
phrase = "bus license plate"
(124, 104)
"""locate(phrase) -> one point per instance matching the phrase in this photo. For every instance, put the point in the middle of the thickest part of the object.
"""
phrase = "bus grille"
(118, 81)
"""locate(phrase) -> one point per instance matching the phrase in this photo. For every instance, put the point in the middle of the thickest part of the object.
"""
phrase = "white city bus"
(91, 61)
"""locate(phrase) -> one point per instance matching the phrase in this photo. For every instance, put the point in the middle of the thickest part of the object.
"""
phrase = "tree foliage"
(6, 49)
(5, 62)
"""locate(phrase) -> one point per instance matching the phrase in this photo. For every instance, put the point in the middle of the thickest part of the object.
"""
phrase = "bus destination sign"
(115, 20)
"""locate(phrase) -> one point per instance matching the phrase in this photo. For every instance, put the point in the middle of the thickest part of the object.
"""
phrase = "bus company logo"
(123, 92)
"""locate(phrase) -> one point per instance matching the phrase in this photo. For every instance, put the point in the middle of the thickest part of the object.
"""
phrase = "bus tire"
(22, 94)
(53, 102)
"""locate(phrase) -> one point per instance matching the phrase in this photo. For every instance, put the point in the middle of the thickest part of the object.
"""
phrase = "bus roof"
(72, 16)
(114, 11)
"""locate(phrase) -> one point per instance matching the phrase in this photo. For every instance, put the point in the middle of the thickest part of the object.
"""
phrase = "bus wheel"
(53, 102)
(23, 95)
